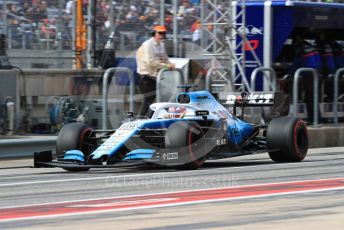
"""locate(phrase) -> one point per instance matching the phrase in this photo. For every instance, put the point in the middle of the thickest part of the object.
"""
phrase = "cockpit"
(173, 111)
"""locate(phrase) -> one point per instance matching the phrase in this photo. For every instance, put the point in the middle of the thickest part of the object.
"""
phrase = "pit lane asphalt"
(21, 185)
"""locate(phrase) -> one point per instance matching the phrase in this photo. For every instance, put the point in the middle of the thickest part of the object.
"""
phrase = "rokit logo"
(261, 99)
(251, 98)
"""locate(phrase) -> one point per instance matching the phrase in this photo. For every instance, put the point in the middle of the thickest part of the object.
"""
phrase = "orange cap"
(159, 28)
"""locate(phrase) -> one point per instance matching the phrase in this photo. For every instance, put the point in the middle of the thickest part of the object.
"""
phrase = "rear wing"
(279, 101)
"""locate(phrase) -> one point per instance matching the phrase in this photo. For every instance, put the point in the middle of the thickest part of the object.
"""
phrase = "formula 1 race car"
(184, 134)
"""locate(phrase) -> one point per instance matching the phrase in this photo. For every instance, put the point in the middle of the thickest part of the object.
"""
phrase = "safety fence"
(270, 79)
(177, 79)
(339, 73)
(329, 109)
(221, 76)
(297, 76)
(106, 79)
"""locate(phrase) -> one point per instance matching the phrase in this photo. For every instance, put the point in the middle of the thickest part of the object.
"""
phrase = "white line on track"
(83, 179)
(190, 173)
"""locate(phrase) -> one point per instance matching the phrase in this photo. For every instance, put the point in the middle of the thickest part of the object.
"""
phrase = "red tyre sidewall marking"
(83, 137)
(191, 153)
(298, 124)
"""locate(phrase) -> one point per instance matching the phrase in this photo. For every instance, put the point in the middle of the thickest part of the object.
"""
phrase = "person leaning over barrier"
(151, 57)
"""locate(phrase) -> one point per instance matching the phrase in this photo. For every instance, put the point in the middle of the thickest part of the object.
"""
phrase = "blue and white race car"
(184, 134)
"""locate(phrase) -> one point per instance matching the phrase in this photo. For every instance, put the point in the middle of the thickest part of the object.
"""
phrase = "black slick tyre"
(186, 138)
(74, 137)
(287, 139)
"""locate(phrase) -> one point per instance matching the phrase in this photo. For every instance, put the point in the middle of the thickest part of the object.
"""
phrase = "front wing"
(44, 159)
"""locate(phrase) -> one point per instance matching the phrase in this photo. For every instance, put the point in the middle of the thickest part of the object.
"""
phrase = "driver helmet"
(176, 112)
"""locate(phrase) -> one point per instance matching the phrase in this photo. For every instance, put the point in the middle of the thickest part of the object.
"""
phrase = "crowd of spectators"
(31, 22)
(141, 15)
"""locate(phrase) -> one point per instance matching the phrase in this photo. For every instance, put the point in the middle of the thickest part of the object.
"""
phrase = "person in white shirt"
(69, 7)
(151, 57)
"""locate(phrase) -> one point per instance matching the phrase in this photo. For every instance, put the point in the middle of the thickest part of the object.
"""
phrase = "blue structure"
(269, 25)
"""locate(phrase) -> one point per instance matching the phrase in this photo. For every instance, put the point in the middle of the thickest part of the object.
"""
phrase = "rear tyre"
(74, 136)
(287, 139)
(186, 138)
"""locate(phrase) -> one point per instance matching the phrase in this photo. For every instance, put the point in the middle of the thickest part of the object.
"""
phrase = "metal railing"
(272, 82)
(272, 79)
(335, 93)
(108, 75)
(181, 79)
(209, 74)
(297, 76)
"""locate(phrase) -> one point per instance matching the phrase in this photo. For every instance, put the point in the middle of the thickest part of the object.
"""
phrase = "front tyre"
(186, 138)
(74, 136)
(287, 139)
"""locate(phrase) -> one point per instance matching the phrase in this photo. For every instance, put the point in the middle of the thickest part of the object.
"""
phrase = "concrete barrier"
(326, 136)
(24, 147)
